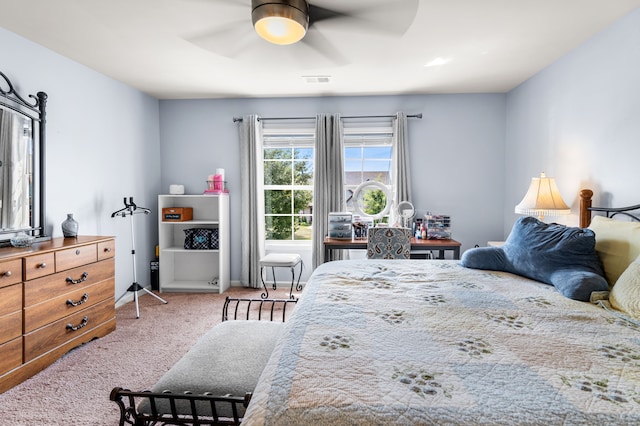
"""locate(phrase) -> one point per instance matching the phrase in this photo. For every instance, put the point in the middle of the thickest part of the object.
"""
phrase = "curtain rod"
(239, 119)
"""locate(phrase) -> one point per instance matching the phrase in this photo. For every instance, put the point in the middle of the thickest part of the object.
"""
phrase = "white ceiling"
(178, 49)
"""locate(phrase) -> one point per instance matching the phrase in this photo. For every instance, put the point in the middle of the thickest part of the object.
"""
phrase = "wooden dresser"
(54, 296)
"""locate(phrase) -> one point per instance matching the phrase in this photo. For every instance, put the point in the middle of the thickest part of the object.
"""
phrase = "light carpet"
(75, 389)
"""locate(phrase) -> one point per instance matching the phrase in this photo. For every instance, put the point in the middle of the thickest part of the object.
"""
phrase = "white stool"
(281, 260)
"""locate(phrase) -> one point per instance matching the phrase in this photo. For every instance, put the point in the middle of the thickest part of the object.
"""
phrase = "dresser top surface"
(51, 245)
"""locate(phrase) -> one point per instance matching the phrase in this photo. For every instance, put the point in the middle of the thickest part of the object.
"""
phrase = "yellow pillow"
(617, 244)
(625, 294)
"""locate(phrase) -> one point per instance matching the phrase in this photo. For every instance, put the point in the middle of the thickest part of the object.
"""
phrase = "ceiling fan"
(301, 30)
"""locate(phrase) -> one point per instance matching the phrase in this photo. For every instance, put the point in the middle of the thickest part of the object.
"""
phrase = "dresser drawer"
(11, 355)
(106, 250)
(10, 272)
(39, 266)
(59, 332)
(11, 326)
(36, 316)
(10, 299)
(76, 256)
(42, 289)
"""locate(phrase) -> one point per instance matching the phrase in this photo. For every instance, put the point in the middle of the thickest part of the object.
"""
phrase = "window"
(368, 157)
(288, 152)
(288, 181)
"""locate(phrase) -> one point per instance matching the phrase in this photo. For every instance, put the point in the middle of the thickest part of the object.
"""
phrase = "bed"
(412, 342)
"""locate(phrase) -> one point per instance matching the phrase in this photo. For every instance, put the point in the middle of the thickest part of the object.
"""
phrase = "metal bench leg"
(293, 277)
(266, 292)
(273, 272)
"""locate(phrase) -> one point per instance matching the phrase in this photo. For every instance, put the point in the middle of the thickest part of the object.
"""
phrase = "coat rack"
(130, 209)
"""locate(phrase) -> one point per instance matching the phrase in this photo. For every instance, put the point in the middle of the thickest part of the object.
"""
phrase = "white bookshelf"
(184, 270)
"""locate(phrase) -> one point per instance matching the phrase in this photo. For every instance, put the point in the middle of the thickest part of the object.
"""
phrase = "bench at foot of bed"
(212, 383)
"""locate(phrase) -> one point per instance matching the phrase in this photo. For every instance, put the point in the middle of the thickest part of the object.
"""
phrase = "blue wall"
(579, 120)
(102, 144)
(457, 152)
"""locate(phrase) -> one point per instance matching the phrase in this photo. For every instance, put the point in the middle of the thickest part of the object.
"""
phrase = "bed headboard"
(586, 209)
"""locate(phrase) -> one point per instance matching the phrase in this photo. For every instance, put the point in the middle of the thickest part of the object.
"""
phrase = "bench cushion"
(228, 359)
(280, 260)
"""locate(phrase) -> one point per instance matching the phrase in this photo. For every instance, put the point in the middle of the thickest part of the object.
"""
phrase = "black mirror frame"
(36, 111)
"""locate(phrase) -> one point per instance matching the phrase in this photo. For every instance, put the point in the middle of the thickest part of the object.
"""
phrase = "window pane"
(278, 228)
(277, 173)
(353, 165)
(377, 152)
(279, 153)
(303, 173)
(302, 202)
(377, 165)
(303, 228)
(377, 176)
(353, 152)
(277, 201)
(303, 153)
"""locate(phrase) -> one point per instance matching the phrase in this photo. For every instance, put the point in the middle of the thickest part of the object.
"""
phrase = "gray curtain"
(401, 171)
(252, 200)
(328, 186)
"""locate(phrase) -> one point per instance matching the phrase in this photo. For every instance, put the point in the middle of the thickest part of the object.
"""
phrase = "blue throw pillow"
(559, 255)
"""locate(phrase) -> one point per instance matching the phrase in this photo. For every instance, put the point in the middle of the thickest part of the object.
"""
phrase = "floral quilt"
(415, 342)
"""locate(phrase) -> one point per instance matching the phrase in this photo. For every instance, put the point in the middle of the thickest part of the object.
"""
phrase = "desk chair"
(389, 243)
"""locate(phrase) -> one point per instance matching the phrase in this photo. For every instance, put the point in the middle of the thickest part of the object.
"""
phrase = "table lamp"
(542, 199)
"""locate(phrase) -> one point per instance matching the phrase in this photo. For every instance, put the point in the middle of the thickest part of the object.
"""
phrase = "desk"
(416, 244)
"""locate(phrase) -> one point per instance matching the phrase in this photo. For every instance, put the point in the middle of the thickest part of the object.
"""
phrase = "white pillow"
(625, 294)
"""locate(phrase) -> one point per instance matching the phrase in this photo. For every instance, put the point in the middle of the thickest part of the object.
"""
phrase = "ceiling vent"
(317, 78)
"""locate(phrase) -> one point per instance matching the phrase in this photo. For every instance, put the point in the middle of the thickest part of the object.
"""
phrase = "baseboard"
(128, 297)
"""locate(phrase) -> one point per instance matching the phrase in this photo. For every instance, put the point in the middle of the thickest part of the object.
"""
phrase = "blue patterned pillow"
(562, 256)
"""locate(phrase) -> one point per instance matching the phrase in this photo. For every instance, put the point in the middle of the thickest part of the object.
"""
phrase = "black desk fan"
(131, 209)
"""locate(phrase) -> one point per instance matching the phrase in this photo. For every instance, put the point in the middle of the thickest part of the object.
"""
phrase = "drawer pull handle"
(83, 278)
(84, 298)
(84, 322)
(42, 265)
(107, 250)
(78, 252)
(6, 274)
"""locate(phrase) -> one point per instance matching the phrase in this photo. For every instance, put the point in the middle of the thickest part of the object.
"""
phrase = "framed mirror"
(405, 212)
(22, 163)
(372, 199)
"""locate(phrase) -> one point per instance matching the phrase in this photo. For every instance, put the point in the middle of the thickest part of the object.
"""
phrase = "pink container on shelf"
(218, 183)
(215, 185)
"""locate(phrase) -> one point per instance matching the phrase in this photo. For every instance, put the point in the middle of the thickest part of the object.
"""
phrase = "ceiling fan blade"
(317, 14)
(226, 40)
(321, 45)
(240, 3)
(388, 17)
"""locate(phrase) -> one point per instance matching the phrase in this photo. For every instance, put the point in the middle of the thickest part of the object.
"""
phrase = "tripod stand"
(131, 209)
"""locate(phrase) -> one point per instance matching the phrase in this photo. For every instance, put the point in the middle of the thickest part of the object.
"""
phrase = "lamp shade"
(542, 199)
(280, 21)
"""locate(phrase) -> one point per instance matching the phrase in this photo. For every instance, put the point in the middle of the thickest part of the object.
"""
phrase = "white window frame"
(293, 134)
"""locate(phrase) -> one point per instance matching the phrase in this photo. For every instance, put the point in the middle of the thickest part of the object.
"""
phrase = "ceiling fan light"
(280, 22)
